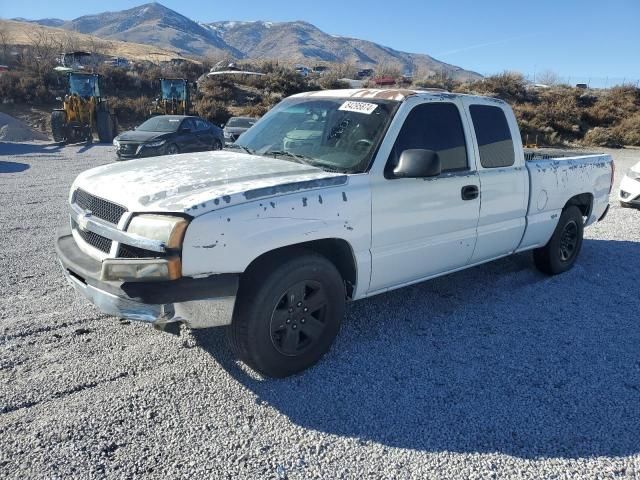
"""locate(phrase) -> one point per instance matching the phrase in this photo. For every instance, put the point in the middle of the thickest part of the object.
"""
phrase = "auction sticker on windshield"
(358, 107)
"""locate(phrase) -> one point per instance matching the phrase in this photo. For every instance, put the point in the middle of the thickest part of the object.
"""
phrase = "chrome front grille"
(129, 251)
(96, 241)
(99, 208)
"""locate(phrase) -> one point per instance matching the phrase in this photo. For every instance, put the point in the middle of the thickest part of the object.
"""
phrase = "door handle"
(470, 192)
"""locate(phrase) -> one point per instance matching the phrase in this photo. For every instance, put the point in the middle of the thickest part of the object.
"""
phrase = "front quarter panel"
(229, 239)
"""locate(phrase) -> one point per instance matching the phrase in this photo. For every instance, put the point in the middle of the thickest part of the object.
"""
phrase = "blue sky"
(579, 40)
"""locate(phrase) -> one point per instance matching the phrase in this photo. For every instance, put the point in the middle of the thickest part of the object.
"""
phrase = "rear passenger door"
(504, 182)
(204, 134)
(187, 137)
(423, 227)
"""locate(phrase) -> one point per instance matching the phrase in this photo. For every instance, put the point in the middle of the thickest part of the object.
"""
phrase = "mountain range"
(297, 41)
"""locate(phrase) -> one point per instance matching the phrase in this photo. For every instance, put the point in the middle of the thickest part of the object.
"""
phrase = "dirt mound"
(14, 130)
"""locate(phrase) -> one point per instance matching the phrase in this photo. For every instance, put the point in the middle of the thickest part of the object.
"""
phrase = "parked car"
(236, 126)
(302, 70)
(333, 196)
(168, 135)
(365, 73)
(629, 195)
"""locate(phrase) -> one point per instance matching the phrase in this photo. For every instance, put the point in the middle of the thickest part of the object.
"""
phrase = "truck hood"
(198, 183)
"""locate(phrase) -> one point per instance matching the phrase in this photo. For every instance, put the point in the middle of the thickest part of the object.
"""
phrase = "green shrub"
(213, 110)
(256, 111)
(629, 130)
(509, 86)
(332, 82)
(131, 111)
(603, 137)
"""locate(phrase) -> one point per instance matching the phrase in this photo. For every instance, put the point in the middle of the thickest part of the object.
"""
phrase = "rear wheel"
(561, 252)
(104, 124)
(58, 125)
(288, 313)
(217, 145)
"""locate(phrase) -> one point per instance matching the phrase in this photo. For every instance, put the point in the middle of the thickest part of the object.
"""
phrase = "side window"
(201, 125)
(437, 127)
(493, 135)
(189, 123)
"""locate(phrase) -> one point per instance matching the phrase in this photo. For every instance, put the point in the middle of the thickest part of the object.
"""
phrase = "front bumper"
(141, 151)
(199, 303)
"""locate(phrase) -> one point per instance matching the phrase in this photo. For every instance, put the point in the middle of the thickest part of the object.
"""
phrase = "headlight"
(133, 270)
(157, 143)
(116, 142)
(164, 228)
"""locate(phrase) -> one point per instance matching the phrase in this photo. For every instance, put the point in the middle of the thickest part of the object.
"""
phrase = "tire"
(173, 149)
(58, 125)
(217, 145)
(104, 125)
(275, 331)
(562, 250)
(114, 127)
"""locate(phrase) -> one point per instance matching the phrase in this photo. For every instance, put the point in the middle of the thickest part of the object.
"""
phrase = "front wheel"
(288, 313)
(59, 126)
(105, 126)
(172, 149)
(216, 145)
(561, 252)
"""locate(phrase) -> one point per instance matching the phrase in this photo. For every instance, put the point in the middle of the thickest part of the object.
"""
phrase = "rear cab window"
(493, 135)
(437, 127)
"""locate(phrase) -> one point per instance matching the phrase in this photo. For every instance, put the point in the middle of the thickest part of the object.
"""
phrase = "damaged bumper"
(199, 303)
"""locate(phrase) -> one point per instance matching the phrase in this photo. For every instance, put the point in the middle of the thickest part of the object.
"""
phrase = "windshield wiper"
(241, 147)
(296, 156)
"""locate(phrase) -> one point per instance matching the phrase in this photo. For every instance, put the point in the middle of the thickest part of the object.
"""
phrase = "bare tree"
(4, 45)
(389, 69)
(42, 51)
(548, 77)
(344, 70)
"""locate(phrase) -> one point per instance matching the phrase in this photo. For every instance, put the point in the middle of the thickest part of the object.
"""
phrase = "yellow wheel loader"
(84, 112)
(174, 97)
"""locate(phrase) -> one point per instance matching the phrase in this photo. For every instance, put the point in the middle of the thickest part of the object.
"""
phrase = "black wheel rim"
(568, 241)
(298, 320)
(172, 150)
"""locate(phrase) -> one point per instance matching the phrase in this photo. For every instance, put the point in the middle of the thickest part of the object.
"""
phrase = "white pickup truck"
(332, 196)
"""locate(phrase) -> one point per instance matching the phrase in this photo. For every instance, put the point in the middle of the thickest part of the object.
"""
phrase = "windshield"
(173, 89)
(241, 122)
(160, 124)
(84, 85)
(333, 133)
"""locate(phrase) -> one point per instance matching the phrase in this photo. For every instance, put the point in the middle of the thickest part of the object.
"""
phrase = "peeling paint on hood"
(198, 183)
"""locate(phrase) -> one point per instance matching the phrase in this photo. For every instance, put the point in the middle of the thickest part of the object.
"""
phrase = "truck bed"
(553, 153)
(555, 176)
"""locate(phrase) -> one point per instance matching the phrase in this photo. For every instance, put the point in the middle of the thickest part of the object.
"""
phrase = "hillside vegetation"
(559, 115)
(19, 36)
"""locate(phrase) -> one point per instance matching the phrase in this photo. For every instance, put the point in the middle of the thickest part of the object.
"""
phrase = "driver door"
(422, 227)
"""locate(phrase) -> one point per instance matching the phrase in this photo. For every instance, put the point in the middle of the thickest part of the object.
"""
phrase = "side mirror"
(418, 163)
(222, 125)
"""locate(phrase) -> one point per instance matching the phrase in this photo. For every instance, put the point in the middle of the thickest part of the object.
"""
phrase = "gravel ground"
(494, 372)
